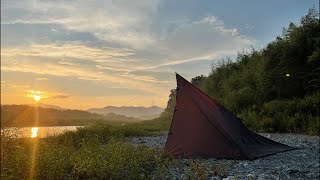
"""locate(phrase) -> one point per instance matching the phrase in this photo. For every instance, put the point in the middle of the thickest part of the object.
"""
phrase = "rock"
(230, 178)
(185, 162)
(302, 163)
(294, 173)
(245, 164)
(250, 177)
(214, 178)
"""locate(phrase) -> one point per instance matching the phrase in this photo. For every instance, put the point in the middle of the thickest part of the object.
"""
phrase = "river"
(40, 132)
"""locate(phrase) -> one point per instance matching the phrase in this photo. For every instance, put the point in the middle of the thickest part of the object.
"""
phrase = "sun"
(37, 97)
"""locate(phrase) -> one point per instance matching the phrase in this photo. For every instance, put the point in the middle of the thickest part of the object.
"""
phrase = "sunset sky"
(82, 54)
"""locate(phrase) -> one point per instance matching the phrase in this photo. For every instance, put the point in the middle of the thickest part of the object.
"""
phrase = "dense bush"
(293, 116)
(275, 89)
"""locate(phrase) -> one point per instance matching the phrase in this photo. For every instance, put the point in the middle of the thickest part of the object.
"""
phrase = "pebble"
(302, 163)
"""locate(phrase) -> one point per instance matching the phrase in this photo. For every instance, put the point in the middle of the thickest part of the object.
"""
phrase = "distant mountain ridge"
(143, 113)
(27, 116)
(130, 111)
(47, 106)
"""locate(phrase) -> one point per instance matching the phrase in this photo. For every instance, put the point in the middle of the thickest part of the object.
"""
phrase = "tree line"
(274, 89)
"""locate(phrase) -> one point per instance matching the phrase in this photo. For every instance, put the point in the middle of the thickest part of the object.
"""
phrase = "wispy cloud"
(72, 50)
(124, 22)
(60, 96)
(67, 62)
(41, 79)
(113, 68)
(7, 84)
(43, 94)
(114, 43)
(37, 93)
(85, 74)
(52, 29)
(17, 86)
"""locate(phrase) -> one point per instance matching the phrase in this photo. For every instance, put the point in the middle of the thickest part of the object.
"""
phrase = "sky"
(81, 54)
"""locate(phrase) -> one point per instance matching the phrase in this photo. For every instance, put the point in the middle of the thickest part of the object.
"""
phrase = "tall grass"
(97, 152)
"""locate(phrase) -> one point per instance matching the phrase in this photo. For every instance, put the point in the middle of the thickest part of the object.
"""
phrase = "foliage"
(275, 89)
(293, 116)
(97, 152)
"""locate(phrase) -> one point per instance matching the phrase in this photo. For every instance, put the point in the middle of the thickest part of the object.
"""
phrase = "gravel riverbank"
(302, 163)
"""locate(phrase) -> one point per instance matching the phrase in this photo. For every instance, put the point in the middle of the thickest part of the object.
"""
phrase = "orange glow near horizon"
(37, 95)
(75, 101)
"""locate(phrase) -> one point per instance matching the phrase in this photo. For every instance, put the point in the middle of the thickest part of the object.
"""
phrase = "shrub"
(98, 152)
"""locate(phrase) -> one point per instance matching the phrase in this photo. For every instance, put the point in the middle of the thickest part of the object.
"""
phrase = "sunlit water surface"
(39, 132)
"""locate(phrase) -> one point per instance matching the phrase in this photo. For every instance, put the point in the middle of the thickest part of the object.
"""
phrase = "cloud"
(59, 97)
(124, 22)
(205, 37)
(7, 85)
(82, 72)
(66, 62)
(131, 25)
(190, 41)
(52, 29)
(72, 50)
(115, 43)
(235, 32)
(32, 93)
(145, 78)
(17, 86)
(113, 68)
(41, 79)
(45, 94)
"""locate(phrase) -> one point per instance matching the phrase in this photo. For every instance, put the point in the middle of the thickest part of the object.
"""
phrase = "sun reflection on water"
(34, 132)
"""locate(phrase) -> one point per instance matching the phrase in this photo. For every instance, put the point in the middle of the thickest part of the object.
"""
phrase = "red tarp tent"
(204, 128)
